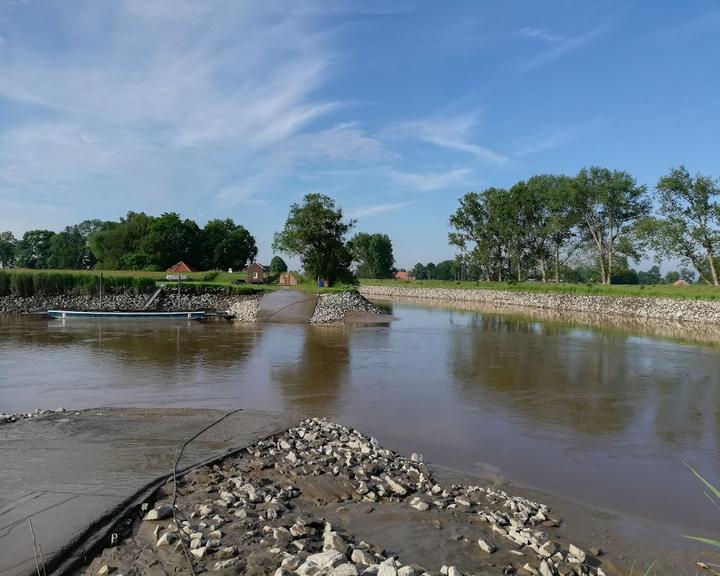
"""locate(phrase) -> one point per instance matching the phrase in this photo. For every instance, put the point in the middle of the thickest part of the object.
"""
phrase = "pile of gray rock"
(168, 301)
(10, 418)
(263, 513)
(700, 311)
(16, 305)
(332, 308)
(245, 308)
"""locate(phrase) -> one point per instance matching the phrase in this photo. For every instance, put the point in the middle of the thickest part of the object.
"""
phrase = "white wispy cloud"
(542, 35)
(198, 72)
(547, 140)
(342, 143)
(374, 209)
(154, 97)
(455, 132)
(430, 181)
(557, 45)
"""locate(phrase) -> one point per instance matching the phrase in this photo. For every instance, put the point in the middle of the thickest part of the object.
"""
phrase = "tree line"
(536, 227)
(315, 231)
(136, 242)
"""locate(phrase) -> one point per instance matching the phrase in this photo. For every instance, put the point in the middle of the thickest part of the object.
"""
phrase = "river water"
(603, 417)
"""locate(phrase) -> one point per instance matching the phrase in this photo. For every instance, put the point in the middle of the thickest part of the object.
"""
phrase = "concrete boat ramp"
(74, 474)
(287, 307)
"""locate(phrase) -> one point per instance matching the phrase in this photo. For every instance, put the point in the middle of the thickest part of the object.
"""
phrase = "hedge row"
(205, 288)
(25, 284)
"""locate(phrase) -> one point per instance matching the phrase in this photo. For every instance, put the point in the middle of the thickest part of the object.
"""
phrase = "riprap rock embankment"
(677, 309)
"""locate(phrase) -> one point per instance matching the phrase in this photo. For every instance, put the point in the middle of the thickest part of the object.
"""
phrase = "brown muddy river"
(602, 417)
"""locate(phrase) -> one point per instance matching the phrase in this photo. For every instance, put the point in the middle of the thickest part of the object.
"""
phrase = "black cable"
(174, 475)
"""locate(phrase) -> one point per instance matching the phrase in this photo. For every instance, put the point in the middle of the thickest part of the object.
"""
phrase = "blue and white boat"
(188, 315)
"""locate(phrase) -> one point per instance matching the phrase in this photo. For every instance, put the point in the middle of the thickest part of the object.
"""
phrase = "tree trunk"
(610, 265)
(713, 271)
(557, 263)
(542, 269)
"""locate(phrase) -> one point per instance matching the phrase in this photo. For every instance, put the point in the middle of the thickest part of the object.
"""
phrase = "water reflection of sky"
(579, 411)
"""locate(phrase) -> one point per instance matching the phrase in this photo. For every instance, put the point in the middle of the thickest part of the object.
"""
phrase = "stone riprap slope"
(332, 308)
(321, 499)
(704, 311)
(38, 413)
(245, 309)
(167, 301)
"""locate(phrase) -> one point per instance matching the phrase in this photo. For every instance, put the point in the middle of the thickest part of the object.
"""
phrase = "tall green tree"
(124, 245)
(226, 245)
(652, 276)
(70, 248)
(33, 251)
(609, 206)
(315, 231)
(7, 249)
(278, 265)
(419, 272)
(445, 270)
(373, 254)
(171, 239)
(688, 224)
(482, 227)
(556, 219)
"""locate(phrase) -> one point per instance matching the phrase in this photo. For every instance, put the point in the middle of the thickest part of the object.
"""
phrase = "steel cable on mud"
(174, 476)
(288, 306)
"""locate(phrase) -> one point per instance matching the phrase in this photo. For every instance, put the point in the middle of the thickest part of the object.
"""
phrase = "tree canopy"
(7, 249)
(277, 265)
(315, 232)
(517, 233)
(687, 226)
(34, 250)
(609, 205)
(373, 254)
(226, 245)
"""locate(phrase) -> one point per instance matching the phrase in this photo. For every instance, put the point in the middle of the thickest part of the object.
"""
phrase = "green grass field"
(692, 292)
(82, 281)
(225, 279)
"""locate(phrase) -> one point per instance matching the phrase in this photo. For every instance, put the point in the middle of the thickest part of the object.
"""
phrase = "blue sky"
(396, 109)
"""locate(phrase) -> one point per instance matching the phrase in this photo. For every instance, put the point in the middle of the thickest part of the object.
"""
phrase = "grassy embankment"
(692, 292)
(24, 283)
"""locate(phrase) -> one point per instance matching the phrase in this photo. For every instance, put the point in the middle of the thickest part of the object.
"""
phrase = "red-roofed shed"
(181, 267)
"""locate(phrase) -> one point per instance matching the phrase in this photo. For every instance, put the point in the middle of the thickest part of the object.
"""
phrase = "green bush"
(21, 284)
(4, 283)
(201, 288)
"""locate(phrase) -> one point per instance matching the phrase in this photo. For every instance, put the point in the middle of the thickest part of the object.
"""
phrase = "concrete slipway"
(73, 474)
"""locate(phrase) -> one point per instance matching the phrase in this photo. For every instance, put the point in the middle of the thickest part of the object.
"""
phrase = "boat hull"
(189, 315)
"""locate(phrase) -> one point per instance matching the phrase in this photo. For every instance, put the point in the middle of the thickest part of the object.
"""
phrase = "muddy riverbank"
(324, 499)
(666, 309)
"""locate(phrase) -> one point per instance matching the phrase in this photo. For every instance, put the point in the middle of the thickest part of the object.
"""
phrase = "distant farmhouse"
(181, 267)
(255, 273)
(403, 275)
